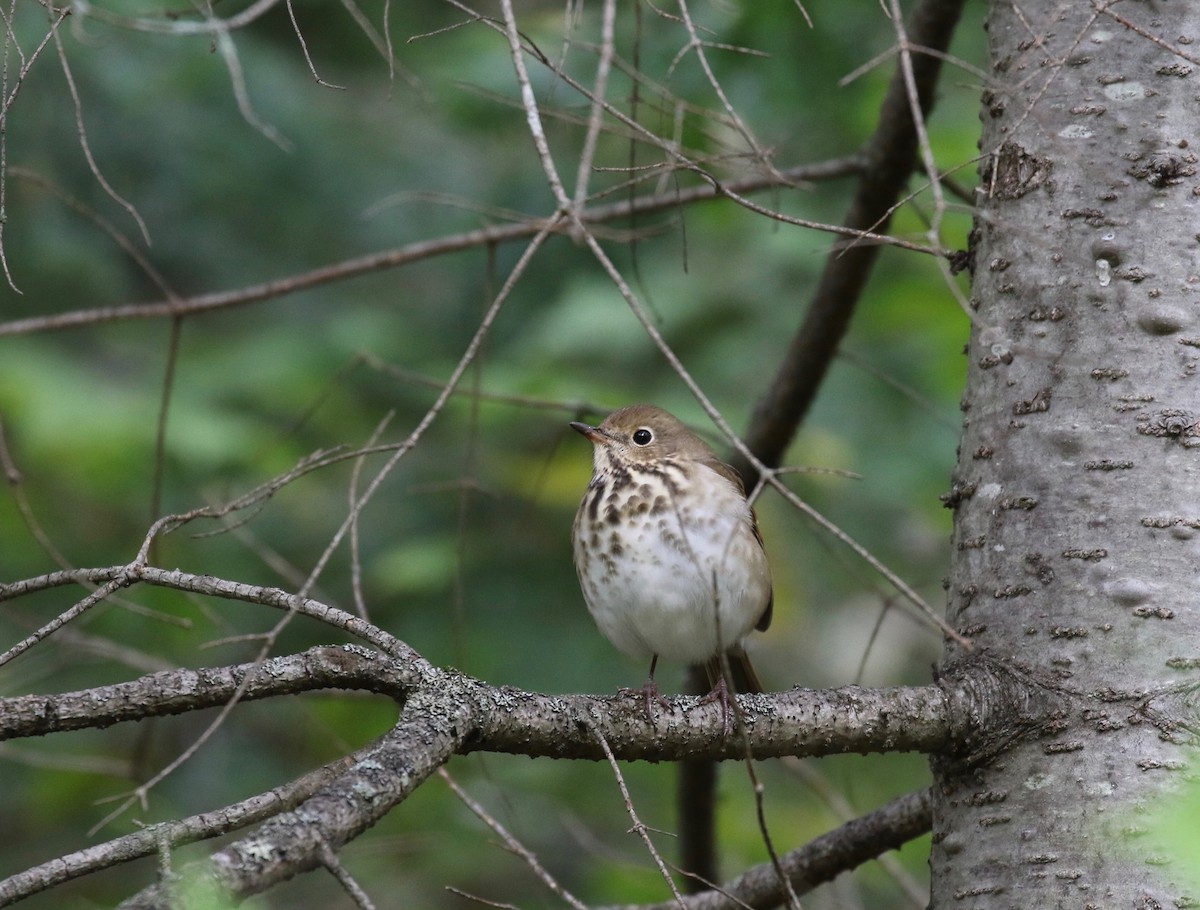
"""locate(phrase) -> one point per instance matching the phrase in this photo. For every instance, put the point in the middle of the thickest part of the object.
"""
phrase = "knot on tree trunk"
(995, 703)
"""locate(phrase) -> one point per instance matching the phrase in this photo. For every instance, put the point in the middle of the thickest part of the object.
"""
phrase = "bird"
(668, 552)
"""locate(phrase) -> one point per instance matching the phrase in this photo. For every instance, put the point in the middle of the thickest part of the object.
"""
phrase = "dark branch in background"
(696, 794)
(427, 249)
(891, 157)
(822, 860)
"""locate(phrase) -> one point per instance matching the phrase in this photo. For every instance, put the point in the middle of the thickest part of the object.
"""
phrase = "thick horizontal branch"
(975, 710)
(446, 713)
(799, 722)
(179, 691)
(461, 714)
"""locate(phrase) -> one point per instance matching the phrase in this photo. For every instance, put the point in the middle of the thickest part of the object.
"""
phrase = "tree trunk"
(1077, 488)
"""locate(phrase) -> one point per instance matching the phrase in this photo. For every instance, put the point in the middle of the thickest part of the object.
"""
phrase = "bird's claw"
(649, 692)
(720, 692)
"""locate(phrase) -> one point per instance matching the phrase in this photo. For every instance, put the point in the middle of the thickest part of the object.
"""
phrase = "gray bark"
(1077, 487)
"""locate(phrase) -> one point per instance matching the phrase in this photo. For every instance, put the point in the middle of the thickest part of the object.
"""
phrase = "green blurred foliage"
(465, 549)
(1173, 837)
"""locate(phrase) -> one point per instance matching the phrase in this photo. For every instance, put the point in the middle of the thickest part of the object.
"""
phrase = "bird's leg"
(649, 691)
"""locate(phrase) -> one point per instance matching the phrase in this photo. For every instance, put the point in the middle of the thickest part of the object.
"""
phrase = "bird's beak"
(592, 433)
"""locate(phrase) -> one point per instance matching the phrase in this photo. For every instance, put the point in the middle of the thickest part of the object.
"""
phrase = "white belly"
(684, 596)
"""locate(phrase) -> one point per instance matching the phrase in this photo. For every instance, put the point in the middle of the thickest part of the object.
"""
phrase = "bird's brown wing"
(764, 621)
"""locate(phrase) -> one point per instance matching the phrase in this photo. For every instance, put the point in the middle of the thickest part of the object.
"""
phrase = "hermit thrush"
(667, 549)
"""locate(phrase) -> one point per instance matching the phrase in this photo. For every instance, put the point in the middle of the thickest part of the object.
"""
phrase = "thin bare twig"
(529, 103)
(819, 784)
(164, 411)
(329, 859)
(982, 75)
(1105, 7)
(169, 834)
(639, 827)
(529, 857)
(468, 356)
(760, 811)
(360, 602)
(697, 46)
(81, 131)
(596, 117)
(857, 235)
(275, 598)
(918, 119)
(312, 67)
(926, 152)
(382, 43)
(233, 64)
(16, 485)
(69, 615)
(873, 561)
(175, 26)
(127, 246)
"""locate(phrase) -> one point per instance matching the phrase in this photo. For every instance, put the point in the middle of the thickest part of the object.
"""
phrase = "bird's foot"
(720, 692)
(649, 692)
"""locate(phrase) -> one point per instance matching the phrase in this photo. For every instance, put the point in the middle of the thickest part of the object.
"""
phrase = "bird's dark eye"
(642, 437)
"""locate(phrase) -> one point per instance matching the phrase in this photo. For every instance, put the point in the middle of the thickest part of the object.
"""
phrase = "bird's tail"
(743, 678)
